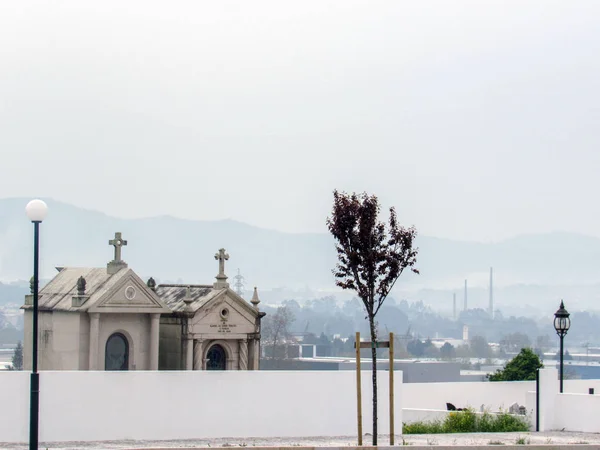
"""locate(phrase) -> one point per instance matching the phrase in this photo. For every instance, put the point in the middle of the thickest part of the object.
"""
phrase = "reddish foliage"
(371, 256)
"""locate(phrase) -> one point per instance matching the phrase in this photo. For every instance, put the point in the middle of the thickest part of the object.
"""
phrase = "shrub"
(460, 422)
(434, 427)
(469, 422)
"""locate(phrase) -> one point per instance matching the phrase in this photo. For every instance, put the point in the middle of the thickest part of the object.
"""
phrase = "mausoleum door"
(216, 358)
(117, 353)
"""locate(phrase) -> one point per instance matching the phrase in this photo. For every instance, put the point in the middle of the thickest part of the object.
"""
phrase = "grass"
(522, 441)
(469, 422)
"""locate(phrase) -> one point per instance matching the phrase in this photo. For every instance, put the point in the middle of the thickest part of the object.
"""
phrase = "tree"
(447, 351)
(515, 341)
(275, 328)
(479, 347)
(431, 351)
(522, 367)
(371, 258)
(17, 359)
(416, 347)
(566, 356)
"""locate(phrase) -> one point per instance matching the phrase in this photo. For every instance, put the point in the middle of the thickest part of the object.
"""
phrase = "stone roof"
(173, 295)
(197, 295)
(57, 295)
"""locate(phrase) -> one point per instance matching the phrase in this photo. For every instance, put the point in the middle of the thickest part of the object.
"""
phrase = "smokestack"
(454, 306)
(492, 292)
(465, 295)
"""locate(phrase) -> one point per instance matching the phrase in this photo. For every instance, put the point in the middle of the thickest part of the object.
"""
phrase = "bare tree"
(371, 258)
(275, 328)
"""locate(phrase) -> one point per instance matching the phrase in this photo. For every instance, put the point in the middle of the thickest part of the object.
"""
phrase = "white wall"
(190, 404)
(84, 405)
(495, 396)
(573, 410)
(423, 415)
(14, 392)
(577, 412)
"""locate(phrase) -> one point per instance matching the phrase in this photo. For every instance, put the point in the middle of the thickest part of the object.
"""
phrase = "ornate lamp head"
(562, 323)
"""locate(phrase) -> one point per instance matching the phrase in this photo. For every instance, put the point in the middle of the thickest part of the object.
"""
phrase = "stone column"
(94, 338)
(189, 354)
(198, 349)
(154, 339)
(251, 344)
(256, 359)
(243, 365)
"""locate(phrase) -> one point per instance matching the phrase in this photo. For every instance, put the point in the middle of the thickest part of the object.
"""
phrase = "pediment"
(226, 313)
(129, 295)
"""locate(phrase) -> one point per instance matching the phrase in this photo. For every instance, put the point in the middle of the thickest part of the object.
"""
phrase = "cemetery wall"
(494, 396)
(184, 404)
(577, 412)
(574, 410)
(96, 406)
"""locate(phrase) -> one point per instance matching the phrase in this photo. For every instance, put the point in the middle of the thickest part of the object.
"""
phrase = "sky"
(476, 120)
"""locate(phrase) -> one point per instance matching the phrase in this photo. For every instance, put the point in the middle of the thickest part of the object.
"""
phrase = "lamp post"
(36, 212)
(562, 323)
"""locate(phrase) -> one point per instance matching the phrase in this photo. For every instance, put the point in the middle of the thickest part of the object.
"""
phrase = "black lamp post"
(36, 212)
(562, 323)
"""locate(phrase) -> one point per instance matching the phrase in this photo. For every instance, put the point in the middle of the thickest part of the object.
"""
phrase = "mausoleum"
(108, 318)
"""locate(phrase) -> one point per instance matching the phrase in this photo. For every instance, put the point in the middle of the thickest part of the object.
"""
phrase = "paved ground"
(432, 440)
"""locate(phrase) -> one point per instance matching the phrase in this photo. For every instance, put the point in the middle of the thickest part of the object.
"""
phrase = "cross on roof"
(117, 243)
(221, 256)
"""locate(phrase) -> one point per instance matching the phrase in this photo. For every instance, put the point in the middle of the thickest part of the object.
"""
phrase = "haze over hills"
(172, 249)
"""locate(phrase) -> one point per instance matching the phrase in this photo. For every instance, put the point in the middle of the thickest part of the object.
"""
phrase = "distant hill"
(174, 249)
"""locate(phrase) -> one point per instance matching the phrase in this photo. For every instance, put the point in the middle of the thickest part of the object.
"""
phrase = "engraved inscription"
(223, 327)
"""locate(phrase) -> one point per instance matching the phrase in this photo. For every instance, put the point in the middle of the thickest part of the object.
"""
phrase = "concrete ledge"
(412, 447)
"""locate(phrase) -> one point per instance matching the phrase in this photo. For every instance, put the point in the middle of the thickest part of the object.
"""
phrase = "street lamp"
(562, 324)
(36, 212)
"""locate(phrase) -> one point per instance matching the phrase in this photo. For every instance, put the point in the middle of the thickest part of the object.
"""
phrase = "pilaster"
(198, 349)
(94, 339)
(189, 354)
(154, 340)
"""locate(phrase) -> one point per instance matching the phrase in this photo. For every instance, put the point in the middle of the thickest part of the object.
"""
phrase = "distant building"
(413, 371)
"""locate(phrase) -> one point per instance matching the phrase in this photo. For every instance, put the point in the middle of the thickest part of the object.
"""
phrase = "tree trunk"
(374, 369)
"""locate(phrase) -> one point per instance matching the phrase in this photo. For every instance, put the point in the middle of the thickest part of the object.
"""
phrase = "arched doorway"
(216, 358)
(116, 356)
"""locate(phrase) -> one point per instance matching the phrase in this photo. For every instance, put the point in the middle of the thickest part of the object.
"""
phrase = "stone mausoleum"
(108, 318)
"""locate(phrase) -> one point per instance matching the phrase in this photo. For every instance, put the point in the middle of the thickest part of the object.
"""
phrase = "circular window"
(224, 313)
(130, 292)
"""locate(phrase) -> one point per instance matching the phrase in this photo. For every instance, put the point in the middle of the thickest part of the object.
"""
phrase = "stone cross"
(117, 243)
(221, 256)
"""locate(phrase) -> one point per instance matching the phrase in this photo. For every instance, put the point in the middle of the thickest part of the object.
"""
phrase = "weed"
(522, 441)
(495, 443)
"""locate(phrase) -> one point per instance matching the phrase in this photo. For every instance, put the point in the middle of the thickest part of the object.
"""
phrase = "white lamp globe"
(36, 210)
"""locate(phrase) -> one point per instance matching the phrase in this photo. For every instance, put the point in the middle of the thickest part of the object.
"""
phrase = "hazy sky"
(477, 120)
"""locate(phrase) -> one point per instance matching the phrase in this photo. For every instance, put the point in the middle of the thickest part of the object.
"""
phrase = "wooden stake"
(391, 368)
(358, 391)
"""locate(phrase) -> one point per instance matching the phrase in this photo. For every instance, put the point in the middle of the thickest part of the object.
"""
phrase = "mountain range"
(172, 249)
